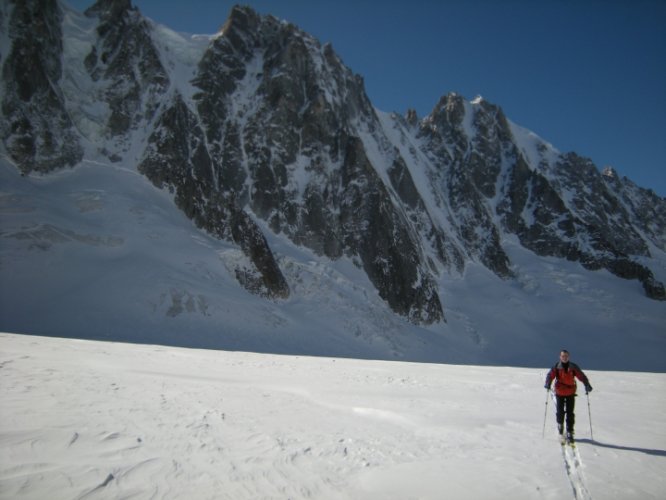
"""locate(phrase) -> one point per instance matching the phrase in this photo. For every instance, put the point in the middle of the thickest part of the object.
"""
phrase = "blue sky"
(586, 75)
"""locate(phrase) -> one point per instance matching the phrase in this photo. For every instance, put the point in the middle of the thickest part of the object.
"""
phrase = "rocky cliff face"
(126, 65)
(36, 129)
(265, 127)
(276, 127)
(561, 205)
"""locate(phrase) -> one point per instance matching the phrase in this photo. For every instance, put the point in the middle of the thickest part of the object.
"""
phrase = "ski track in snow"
(574, 467)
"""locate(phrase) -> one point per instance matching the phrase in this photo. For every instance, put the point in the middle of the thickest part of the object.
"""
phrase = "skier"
(565, 374)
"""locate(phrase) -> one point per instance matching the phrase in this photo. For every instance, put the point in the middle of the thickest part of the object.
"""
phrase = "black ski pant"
(565, 406)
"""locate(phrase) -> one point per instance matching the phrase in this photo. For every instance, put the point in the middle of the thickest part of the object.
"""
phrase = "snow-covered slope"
(93, 420)
(97, 252)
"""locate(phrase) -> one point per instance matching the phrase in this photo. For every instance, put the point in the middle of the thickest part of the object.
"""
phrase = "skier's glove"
(588, 389)
(547, 387)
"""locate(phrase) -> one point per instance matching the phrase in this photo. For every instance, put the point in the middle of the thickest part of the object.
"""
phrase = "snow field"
(83, 419)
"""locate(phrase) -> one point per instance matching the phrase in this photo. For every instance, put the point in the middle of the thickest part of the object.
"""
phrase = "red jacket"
(565, 375)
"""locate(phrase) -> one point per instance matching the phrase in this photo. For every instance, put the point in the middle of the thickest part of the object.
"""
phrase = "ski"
(570, 441)
(566, 442)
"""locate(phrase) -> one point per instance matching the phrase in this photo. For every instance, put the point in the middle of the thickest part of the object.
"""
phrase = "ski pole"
(589, 413)
(545, 413)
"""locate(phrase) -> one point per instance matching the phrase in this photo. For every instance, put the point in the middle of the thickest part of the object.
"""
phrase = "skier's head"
(564, 355)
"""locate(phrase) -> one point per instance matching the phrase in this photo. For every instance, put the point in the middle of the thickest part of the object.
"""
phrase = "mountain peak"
(241, 18)
(111, 9)
(609, 172)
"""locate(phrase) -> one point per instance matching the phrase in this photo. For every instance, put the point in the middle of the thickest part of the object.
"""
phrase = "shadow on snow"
(647, 451)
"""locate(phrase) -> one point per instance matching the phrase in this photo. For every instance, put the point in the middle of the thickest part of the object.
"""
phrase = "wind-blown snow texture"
(84, 419)
(239, 191)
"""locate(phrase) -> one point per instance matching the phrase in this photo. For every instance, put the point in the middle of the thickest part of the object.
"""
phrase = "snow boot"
(570, 437)
(560, 429)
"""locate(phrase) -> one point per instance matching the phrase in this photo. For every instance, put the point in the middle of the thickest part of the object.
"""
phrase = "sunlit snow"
(85, 419)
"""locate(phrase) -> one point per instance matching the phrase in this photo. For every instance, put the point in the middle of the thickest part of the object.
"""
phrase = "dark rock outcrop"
(35, 127)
